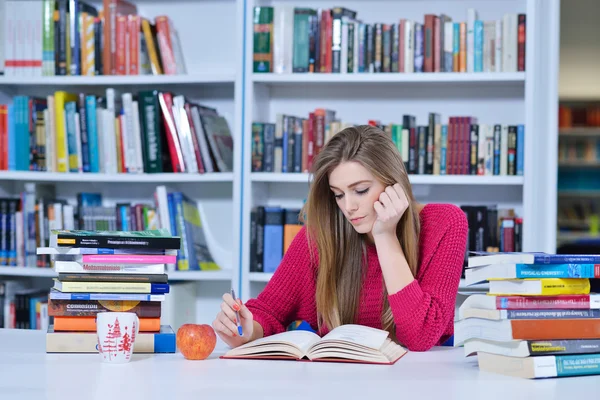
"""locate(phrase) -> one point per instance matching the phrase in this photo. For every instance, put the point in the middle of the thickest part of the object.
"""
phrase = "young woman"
(367, 254)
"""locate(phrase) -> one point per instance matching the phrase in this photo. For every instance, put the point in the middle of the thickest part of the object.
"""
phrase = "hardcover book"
(346, 343)
(147, 239)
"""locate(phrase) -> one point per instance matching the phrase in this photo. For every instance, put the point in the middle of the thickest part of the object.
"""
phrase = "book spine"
(118, 242)
(128, 259)
(576, 365)
(99, 277)
(55, 295)
(552, 314)
(544, 302)
(81, 308)
(87, 342)
(558, 271)
(114, 287)
(273, 238)
(548, 347)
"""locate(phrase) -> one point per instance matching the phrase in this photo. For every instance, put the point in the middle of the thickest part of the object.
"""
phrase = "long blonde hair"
(341, 250)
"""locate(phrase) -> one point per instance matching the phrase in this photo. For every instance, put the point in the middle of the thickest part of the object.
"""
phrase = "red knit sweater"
(423, 311)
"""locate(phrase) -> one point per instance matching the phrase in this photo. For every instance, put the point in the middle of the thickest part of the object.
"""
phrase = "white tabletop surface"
(27, 372)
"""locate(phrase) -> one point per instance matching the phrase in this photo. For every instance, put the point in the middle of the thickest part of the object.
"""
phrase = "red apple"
(196, 341)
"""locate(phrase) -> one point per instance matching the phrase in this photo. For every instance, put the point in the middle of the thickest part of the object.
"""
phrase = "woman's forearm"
(394, 267)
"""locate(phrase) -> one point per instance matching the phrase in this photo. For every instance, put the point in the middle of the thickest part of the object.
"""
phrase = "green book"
(263, 39)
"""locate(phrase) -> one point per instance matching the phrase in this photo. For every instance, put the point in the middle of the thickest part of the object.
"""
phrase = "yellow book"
(539, 287)
(62, 153)
(118, 141)
(110, 287)
(151, 46)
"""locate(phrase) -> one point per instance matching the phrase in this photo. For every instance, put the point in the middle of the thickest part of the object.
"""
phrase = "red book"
(521, 39)
(133, 28)
(165, 100)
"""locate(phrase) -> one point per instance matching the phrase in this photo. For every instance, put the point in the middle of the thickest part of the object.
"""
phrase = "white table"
(27, 372)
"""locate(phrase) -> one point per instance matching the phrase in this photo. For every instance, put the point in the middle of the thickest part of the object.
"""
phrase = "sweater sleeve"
(278, 304)
(423, 309)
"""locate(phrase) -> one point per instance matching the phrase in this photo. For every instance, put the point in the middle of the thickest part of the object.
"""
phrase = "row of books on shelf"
(273, 228)
(492, 229)
(26, 223)
(150, 131)
(584, 114)
(462, 146)
(579, 149)
(291, 39)
(61, 37)
(540, 317)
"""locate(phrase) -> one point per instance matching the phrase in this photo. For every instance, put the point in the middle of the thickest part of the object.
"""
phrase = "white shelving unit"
(527, 98)
(210, 36)
(217, 45)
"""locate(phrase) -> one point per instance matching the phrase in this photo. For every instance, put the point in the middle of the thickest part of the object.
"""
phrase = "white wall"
(579, 76)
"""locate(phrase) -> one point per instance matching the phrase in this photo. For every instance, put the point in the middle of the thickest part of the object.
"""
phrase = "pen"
(237, 315)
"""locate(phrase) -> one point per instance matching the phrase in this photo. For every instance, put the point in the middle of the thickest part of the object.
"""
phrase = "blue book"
(444, 149)
(481, 258)
(92, 131)
(478, 46)
(520, 149)
(72, 143)
(273, 238)
(12, 148)
(541, 367)
(56, 295)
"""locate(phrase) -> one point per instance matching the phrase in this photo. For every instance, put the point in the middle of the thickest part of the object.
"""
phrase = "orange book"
(291, 226)
(88, 324)
(546, 329)
(109, 32)
(133, 30)
(122, 48)
(462, 54)
(165, 46)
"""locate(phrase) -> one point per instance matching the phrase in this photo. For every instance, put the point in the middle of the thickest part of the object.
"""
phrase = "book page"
(361, 335)
(299, 339)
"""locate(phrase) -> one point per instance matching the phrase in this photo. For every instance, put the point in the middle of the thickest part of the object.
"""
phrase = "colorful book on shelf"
(163, 341)
(347, 343)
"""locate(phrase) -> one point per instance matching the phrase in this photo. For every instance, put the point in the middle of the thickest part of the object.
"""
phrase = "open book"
(347, 343)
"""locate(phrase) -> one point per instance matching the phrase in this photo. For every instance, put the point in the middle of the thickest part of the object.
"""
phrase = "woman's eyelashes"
(359, 192)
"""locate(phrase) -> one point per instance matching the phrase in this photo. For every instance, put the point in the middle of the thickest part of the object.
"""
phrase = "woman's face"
(356, 190)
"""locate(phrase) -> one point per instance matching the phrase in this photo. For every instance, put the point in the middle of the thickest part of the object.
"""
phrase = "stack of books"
(539, 318)
(101, 271)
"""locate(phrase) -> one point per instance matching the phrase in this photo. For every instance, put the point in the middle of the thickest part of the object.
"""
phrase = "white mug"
(116, 332)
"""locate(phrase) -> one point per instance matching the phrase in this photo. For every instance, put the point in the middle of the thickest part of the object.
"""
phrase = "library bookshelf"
(512, 97)
(210, 38)
(217, 43)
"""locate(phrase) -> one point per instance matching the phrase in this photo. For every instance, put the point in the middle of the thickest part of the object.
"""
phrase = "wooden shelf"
(114, 178)
(449, 77)
(119, 80)
(414, 179)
